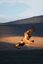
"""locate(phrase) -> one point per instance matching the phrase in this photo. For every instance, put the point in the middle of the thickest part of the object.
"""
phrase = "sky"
(11, 10)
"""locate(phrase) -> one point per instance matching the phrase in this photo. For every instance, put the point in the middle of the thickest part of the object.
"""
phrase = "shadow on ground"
(11, 55)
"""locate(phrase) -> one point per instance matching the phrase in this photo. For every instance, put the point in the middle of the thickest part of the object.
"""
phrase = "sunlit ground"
(38, 41)
(11, 39)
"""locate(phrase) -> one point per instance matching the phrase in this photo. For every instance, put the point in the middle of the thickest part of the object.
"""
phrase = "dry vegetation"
(38, 41)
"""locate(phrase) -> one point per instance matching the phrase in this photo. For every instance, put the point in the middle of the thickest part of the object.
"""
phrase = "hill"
(36, 19)
(17, 28)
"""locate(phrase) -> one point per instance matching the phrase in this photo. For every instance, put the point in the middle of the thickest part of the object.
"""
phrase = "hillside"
(17, 28)
(36, 19)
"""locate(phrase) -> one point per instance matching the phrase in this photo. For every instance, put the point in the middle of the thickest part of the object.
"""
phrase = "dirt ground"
(38, 41)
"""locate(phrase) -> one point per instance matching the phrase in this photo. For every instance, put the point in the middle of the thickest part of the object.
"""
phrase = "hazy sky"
(18, 9)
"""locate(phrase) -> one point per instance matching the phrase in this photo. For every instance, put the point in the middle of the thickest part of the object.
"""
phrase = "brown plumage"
(26, 37)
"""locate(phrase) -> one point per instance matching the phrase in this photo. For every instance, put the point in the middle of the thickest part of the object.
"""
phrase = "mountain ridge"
(35, 19)
(15, 28)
